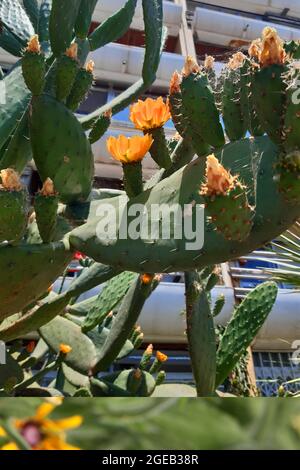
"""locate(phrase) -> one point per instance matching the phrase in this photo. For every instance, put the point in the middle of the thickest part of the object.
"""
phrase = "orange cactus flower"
(175, 83)
(42, 433)
(218, 179)
(147, 278)
(34, 45)
(161, 357)
(129, 149)
(10, 180)
(150, 114)
(270, 50)
(65, 348)
(48, 188)
(72, 51)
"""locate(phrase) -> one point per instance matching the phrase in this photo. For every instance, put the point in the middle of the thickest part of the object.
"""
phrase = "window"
(96, 98)
(273, 369)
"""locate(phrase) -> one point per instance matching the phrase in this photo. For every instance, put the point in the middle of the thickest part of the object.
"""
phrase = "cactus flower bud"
(147, 278)
(10, 180)
(72, 51)
(48, 188)
(236, 61)
(175, 83)
(65, 349)
(218, 179)
(90, 66)
(209, 62)
(190, 67)
(33, 45)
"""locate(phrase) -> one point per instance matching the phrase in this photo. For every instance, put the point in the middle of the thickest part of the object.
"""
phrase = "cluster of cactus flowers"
(248, 184)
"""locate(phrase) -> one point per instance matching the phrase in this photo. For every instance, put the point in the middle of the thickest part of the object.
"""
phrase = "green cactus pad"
(66, 72)
(61, 149)
(231, 214)
(11, 371)
(80, 89)
(234, 120)
(99, 128)
(110, 296)
(159, 149)
(201, 335)
(246, 321)
(199, 105)
(126, 380)
(84, 18)
(59, 331)
(62, 22)
(34, 70)
(46, 216)
(291, 129)
(124, 322)
(13, 214)
(27, 271)
(288, 176)
(253, 159)
(246, 96)
(268, 91)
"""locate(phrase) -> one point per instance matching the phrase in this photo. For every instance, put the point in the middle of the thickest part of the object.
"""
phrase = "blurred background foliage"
(183, 424)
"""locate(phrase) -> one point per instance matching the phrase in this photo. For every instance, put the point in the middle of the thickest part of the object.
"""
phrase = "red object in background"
(79, 256)
(135, 37)
(30, 347)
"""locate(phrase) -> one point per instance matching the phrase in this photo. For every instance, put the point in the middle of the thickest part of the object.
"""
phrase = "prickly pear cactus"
(246, 190)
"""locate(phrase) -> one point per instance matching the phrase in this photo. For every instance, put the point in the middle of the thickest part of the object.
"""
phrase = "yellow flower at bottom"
(150, 114)
(129, 149)
(42, 433)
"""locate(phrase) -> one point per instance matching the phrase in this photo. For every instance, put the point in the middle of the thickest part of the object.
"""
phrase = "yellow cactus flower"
(129, 149)
(150, 114)
(65, 349)
(42, 433)
(33, 45)
(218, 179)
(161, 357)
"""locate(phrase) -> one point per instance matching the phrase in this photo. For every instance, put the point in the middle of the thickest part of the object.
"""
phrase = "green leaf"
(114, 27)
